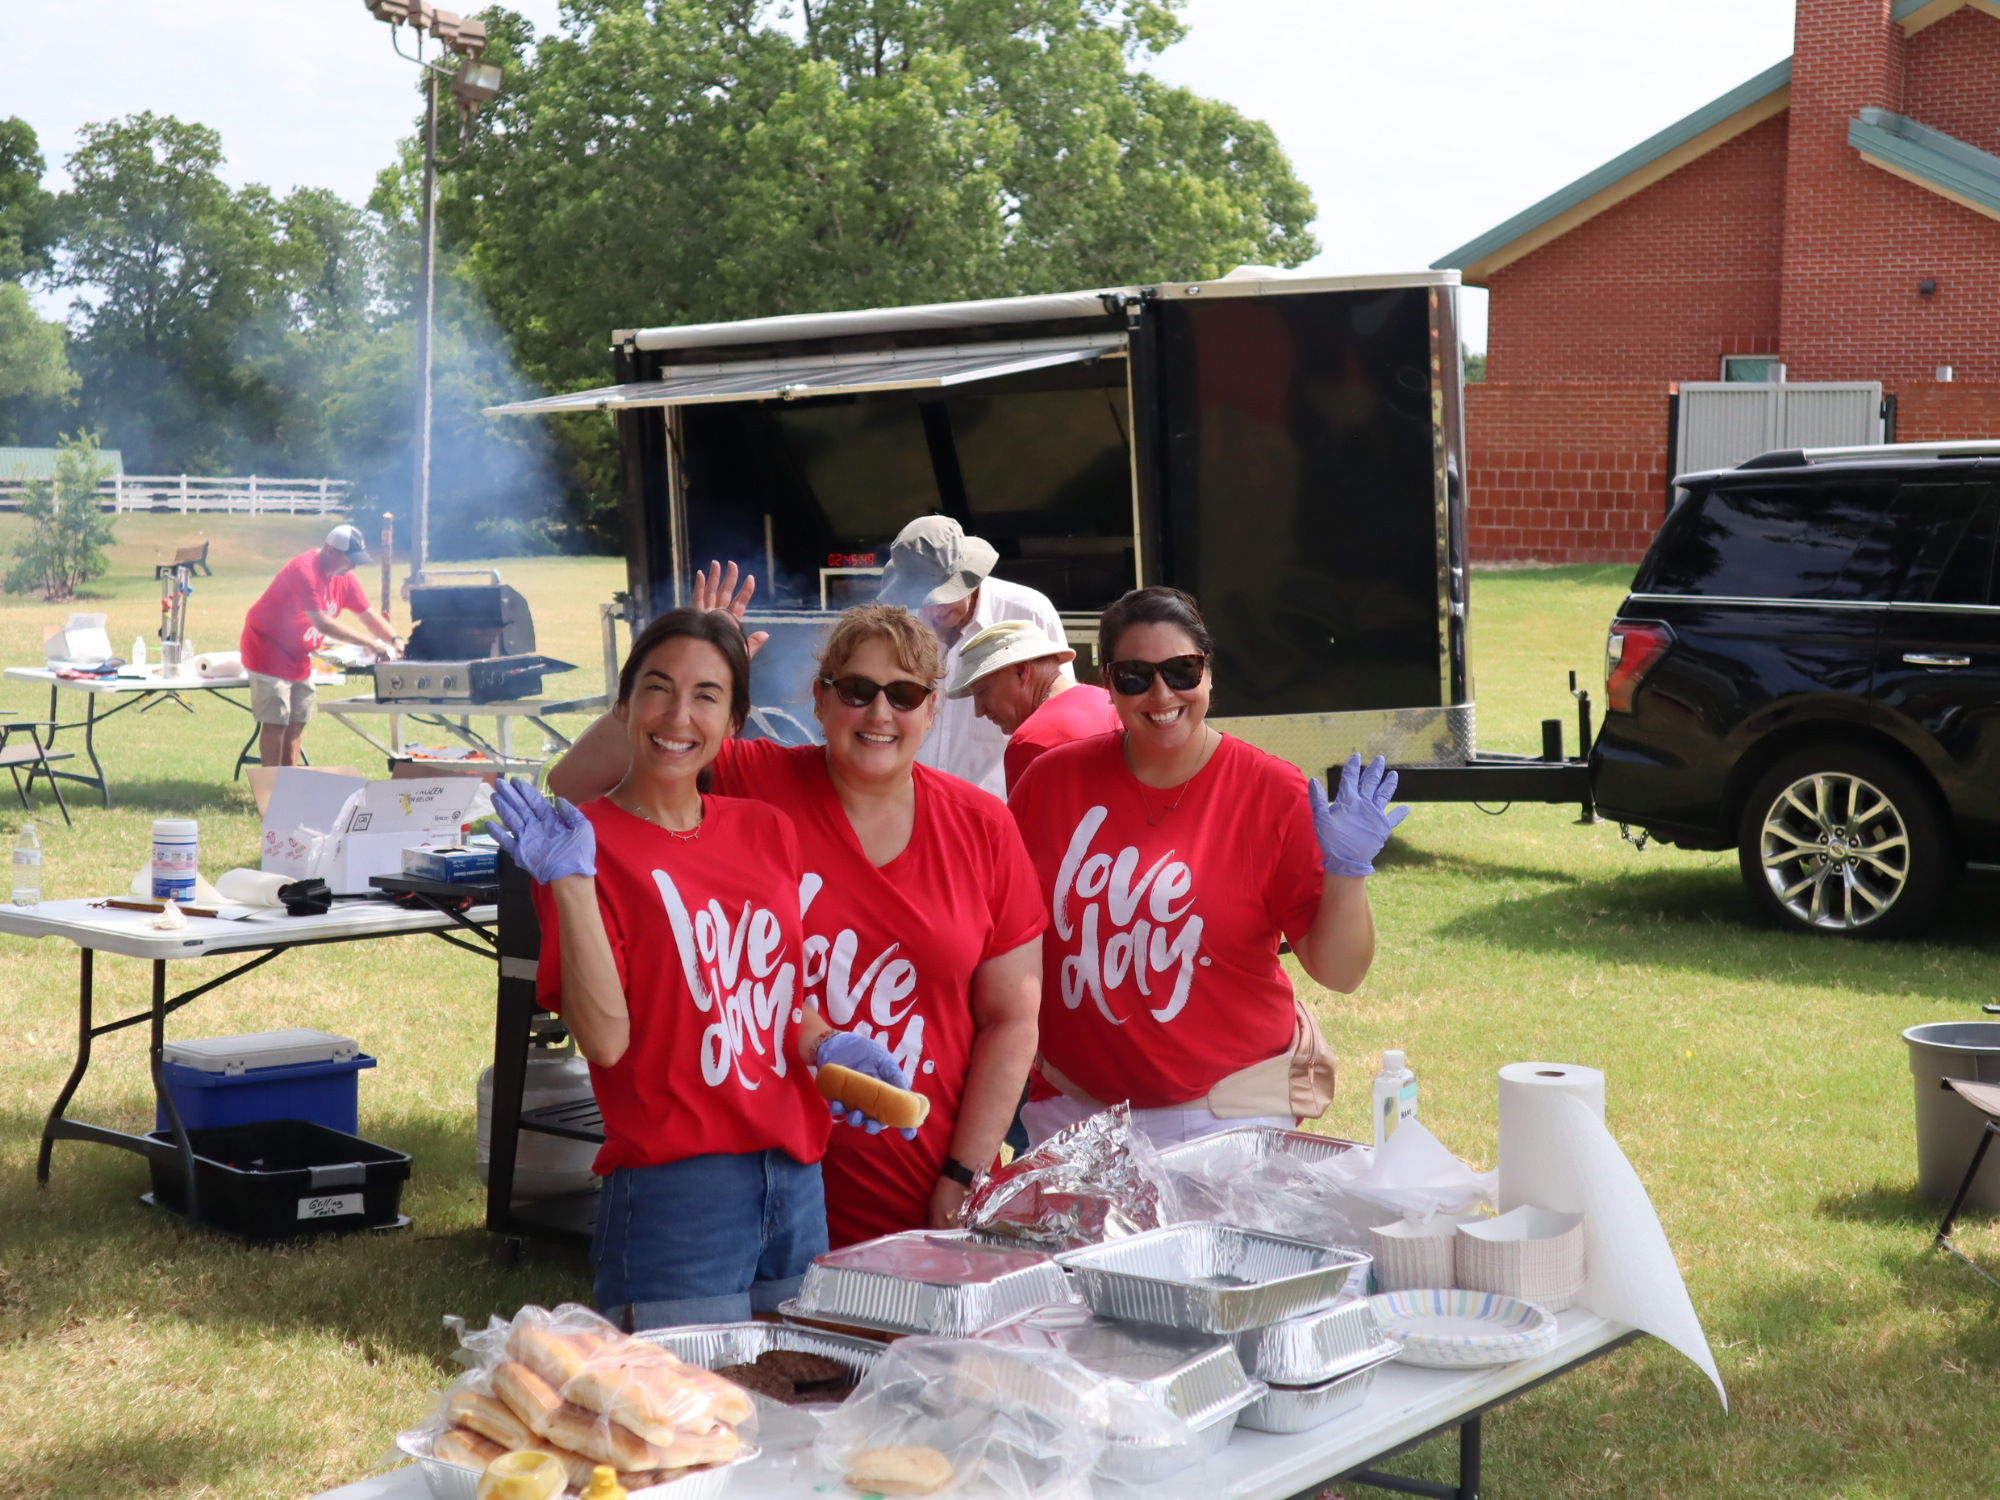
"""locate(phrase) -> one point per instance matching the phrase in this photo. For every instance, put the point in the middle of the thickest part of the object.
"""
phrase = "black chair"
(1984, 1097)
(35, 757)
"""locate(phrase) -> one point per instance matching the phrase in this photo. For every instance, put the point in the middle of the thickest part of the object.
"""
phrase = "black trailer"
(1288, 449)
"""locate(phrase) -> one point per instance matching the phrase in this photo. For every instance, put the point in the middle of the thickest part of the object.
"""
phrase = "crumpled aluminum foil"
(1098, 1180)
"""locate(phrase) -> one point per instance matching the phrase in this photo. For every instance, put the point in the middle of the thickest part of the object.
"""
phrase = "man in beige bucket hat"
(1014, 676)
(940, 573)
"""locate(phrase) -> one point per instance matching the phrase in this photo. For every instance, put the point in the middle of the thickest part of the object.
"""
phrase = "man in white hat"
(288, 623)
(942, 574)
(1014, 676)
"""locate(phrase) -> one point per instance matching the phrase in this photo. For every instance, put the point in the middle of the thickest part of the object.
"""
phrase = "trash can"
(1948, 1128)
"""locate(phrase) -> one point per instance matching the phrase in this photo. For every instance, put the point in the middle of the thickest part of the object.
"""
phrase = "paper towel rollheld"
(1524, 1081)
(241, 887)
(219, 664)
(1555, 1153)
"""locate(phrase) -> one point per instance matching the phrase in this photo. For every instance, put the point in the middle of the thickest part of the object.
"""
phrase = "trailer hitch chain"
(1625, 833)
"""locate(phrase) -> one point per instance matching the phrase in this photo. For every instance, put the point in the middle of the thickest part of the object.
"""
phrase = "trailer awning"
(830, 375)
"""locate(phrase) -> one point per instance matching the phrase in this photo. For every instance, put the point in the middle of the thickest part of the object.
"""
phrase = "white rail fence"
(251, 494)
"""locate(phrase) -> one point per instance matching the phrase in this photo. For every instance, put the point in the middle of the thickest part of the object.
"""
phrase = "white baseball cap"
(348, 539)
(1002, 645)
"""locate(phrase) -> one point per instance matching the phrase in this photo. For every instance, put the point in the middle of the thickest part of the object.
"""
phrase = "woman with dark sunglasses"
(921, 915)
(1173, 858)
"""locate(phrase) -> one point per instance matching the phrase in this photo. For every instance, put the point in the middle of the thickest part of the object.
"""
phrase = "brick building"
(1833, 219)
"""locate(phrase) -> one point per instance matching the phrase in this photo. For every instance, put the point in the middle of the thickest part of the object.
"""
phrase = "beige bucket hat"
(933, 561)
(1002, 645)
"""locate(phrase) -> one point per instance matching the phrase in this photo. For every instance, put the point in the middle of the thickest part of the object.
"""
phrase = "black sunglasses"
(858, 692)
(1131, 678)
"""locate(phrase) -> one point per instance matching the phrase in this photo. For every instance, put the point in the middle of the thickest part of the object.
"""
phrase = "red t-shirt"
(1074, 714)
(706, 935)
(1160, 972)
(277, 637)
(890, 953)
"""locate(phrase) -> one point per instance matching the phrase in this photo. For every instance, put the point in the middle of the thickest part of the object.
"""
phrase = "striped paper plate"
(1444, 1329)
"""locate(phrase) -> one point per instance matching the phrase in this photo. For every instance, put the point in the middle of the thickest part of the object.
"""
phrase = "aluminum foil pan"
(1098, 1180)
(1212, 1278)
(1299, 1408)
(937, 1281)
(712, 1345)
(1312, 1349)
(454, 1482)
(1173, 1396)
(1252, 1142)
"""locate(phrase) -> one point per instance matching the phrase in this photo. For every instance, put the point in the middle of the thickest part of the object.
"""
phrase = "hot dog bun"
(467, 1449)
(899, 1108)
(490, 1418)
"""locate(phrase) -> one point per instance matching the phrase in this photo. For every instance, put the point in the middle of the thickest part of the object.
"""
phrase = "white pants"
(1163, 1127)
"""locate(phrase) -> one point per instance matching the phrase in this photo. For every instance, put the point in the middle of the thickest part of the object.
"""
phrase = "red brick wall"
(1947, 413)
(1561, 471)
(1951, 78)
(1659, 287)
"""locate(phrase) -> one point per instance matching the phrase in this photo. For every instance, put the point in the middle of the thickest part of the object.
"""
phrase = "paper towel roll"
(219, 664)
(1555, 1153)
(242, 887)
(1525, 1080)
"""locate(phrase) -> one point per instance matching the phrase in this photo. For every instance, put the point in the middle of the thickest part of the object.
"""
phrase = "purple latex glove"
(547, 839)
(863, 1054)
(1353, 828)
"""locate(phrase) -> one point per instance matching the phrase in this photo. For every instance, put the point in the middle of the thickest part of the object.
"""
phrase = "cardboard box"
(83, 642)
(343, 829)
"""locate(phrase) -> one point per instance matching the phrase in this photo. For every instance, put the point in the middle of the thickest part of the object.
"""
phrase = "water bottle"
(27, 867)
(1395, 1096)
(139, 651)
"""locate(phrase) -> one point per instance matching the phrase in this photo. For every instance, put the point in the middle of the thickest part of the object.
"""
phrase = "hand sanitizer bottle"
(1395, 1095)
(27, 867)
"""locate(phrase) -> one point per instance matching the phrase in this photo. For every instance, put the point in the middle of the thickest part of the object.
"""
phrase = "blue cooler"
(268, 1075)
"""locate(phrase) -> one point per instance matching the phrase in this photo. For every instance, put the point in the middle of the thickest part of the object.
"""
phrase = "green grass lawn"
(1756, 1080)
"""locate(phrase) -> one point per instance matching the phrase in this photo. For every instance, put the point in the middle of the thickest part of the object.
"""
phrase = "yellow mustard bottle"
(604, 1484)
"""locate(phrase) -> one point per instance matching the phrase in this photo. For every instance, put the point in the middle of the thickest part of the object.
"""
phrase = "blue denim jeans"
(708, 1239)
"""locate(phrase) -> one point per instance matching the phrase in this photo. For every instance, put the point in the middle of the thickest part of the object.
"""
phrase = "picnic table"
(144, 693)
(1405, 1407)
(96, 928)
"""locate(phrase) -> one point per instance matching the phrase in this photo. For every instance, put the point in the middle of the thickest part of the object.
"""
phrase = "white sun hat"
(1002, 645)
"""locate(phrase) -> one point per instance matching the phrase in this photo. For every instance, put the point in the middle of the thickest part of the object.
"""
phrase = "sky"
(1416, 125)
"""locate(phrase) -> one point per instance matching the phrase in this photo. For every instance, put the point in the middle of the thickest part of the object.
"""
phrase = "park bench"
(195, 554)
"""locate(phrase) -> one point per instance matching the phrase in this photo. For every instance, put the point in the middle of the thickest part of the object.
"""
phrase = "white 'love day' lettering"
(753, 1006)
(886, 982)
(1136, 947)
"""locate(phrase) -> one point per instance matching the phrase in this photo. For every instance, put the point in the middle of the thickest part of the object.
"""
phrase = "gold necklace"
(673, 833)
(1151, 820)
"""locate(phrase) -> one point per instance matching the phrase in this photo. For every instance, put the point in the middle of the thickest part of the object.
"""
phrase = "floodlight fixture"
(474, 84)
(444, 26)
(421, 12)
(395, 12)
(471, 38)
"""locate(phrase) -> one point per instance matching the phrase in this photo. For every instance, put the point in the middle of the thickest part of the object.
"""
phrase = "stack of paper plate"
(1444, 1329)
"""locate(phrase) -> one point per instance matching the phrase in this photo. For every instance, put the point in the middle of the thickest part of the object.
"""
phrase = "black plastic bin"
(283, 1179)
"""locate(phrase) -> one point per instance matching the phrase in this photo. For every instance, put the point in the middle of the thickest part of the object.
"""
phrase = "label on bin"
(330, 1206)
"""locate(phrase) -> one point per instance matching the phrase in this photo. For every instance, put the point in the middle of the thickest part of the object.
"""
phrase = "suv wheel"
(1843, 840)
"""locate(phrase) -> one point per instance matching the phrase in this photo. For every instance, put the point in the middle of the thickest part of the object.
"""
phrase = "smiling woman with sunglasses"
(1173, 858)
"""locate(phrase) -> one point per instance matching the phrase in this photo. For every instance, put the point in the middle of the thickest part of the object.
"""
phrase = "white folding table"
(1405, 1407)
(143, 693)
(96, 928)
(455, 716)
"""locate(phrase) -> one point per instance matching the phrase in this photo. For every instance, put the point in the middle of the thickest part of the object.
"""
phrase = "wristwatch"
(957, 1171)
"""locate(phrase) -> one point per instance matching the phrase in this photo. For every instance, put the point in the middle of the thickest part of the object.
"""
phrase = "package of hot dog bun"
(569, 1383)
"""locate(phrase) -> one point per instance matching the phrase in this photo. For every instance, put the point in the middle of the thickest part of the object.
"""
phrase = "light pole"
(473, 83)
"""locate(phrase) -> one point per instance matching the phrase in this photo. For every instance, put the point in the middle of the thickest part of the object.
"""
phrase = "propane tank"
(545, 1166)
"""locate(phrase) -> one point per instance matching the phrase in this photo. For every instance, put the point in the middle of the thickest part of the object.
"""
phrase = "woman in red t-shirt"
(671, 947)
(1173, 858)
(921, 916)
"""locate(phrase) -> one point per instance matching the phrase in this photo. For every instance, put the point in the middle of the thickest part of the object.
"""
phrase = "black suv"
(1808, 668)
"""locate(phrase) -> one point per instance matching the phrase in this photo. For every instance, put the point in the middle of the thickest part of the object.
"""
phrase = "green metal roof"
(40, 463)
(1938, 160)
(1619, 167)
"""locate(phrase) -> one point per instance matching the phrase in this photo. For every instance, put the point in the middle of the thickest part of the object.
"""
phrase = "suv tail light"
(1629, 654)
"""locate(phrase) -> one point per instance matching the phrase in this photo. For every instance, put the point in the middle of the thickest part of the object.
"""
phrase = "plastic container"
(1212, 1278)
(285, 1179)
(1948, 1128)
(453, 1482)
(27, 867)
(1395, 1095)
(176, 853)
(297, 1074)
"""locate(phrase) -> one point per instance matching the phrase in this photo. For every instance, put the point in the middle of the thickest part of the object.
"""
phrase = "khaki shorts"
(276, 701)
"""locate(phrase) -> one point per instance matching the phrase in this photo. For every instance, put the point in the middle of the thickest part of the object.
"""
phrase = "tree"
(677, 161)
(33, 362)
(27, 211)
(68, 530)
